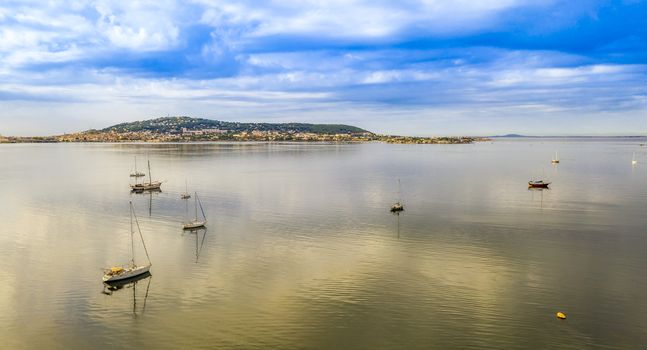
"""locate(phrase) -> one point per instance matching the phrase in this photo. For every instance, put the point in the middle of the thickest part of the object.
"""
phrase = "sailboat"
(131, 270)
(186, 194)
(633, 159)
(555, 160)
(397, 206)
(196, 223)
(147, 186)
(136, 173)
(538, 184)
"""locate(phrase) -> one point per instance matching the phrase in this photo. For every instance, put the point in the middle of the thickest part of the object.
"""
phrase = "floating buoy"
(561, 315)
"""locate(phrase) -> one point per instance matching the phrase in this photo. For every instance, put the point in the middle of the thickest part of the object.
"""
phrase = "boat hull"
(146, 186)
(127, 274)
(397, 207)
(116, 285)
(538, 185)
(192, 225)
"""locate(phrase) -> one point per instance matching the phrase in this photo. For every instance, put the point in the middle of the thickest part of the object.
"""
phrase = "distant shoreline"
(184, 129)
(320, 139)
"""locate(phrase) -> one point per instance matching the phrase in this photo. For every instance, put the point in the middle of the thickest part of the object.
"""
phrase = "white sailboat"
(131, 270)
(136, 173)
(186, 194)
(147, 186)
(633, 159)
(556, 159)
(196, 222)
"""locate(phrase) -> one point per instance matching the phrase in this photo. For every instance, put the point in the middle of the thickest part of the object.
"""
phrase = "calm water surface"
(301, 251)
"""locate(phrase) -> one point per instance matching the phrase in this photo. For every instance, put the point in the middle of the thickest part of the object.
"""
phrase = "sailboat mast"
(150, 178)
(196, 206)
(399, 192)
(135, 173)
(201, 209)
(140, 235)
(132, 233)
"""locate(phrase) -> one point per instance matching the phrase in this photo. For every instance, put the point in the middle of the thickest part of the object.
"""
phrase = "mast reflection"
(199, 242)
(109, 288)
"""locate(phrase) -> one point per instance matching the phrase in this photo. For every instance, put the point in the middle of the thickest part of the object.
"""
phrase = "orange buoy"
(561, 315)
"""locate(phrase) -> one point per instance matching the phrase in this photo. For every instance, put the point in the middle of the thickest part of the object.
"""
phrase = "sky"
(409, 67)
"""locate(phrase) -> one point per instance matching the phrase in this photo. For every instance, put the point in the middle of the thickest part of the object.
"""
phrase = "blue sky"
(418, 67)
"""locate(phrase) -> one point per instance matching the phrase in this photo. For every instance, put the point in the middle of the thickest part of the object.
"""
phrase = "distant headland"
(188, 129)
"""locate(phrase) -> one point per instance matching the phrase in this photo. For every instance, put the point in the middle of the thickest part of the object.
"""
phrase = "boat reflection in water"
(153, 190)
(150, 197)
(109, 288)
(199, 242)
(541, 193)
(397, 213)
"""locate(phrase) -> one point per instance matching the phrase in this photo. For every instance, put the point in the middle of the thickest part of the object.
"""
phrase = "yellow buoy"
(561, 315)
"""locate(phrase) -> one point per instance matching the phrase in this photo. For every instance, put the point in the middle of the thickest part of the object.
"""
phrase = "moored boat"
(538, 184)
(186, 194)
(195, 223)
(124, 273)
(132, 270)
(146, 186)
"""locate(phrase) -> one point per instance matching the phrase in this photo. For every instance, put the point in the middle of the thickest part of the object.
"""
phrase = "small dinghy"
(538, 184)
(132, 270)
(196, 223)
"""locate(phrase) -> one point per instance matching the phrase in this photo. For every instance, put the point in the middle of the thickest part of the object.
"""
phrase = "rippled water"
(302, 252)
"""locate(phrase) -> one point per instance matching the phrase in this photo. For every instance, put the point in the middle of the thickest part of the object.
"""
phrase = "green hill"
(177, 124)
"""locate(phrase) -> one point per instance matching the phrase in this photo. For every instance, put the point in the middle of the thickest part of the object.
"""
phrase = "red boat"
(538, 184)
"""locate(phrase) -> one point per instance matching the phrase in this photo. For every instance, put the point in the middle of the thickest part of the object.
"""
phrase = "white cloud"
(35, 32)
(141, 25)
(554, 76)
(359, 18)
